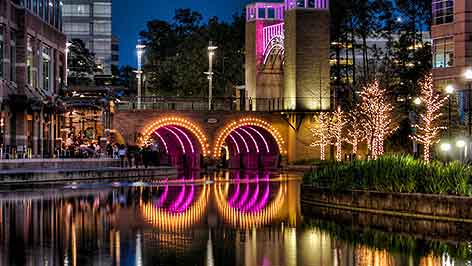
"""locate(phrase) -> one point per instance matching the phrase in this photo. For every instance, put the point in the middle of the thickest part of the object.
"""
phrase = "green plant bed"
(394, 173)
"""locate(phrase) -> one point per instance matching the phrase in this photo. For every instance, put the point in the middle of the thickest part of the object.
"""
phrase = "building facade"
(32, 71)
(452, 53)
(90, 21)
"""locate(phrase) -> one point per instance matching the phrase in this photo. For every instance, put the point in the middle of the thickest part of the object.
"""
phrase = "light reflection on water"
(241, 219)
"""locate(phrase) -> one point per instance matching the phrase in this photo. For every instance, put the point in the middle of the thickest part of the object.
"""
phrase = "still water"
(237, 219)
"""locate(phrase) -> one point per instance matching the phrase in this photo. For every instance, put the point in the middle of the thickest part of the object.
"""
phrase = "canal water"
(228, 219)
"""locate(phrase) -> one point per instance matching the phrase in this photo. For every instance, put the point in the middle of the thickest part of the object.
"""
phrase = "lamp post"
(417, 102)
(68, 45)
(211, 54)
(449, 90)
(140, 48)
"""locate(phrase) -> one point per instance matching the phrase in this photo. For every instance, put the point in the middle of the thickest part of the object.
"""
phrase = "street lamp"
(468, 78)
(68, 45)
(446, 147)
(417, 101)
(140, 48)
(449, 90)
(211, 54)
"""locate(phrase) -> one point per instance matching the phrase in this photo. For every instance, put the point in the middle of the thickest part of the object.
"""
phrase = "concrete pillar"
(306, 68)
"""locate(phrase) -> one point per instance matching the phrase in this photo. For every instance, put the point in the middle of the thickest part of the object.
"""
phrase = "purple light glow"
(163, 197)
(188, 201)
(186, 136)
(243, 198)
(173, 207)
(163, 141)
(178, 138)
(244, 140)
(235, 142)
(252, 138)
(262, 137)
(253, 199)
(263, 203)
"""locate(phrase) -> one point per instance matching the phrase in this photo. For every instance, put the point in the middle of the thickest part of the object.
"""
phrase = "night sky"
(130, 17)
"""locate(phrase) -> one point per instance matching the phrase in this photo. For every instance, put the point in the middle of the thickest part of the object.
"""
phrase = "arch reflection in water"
(182, 211)
(249, 204)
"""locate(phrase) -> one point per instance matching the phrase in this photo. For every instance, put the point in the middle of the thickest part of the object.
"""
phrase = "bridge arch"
(251, 143)
(178, 138)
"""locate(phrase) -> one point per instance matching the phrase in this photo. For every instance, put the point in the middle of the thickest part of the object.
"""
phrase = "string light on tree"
(321, 133)
(338, 123)
(377, 114)
(429, 127)
(355, 131)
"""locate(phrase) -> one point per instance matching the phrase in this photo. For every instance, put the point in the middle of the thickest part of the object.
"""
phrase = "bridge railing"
(226, 104)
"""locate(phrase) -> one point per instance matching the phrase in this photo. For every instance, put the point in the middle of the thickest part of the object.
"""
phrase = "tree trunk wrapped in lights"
(355, 132)
(429, 127)
(321, 133)
(337, 125)
(377, 115)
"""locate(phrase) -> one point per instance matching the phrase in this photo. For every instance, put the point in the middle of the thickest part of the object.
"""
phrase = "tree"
(355, 131)
(81, 63)
(338, 122)
(377, 114)
(429, 127)
(321, 133)
(176, 54)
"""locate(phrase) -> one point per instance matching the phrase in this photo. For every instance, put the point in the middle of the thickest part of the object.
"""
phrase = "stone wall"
(413, 205)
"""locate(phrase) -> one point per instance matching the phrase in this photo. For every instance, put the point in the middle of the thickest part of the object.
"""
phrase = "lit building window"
(46, 68)
(102, 27)
(13, 56)
(443, 52)
(77, 28)
(76, 10)
(1, 52)
(443, 11)
(102, 9)
(29, 60)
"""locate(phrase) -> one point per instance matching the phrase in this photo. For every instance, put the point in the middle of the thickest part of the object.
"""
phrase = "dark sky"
(130, 17)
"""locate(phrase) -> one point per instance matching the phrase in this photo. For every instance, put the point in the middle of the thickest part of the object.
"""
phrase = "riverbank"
(64, 170)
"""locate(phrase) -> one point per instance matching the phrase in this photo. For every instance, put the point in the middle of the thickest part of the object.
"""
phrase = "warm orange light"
(182, 122)
(247, 122)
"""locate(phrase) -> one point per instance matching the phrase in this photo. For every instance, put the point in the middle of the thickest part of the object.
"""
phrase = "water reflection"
(242, 219)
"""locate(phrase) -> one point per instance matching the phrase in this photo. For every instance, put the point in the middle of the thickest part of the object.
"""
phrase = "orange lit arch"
(182, 122)
(220, 140)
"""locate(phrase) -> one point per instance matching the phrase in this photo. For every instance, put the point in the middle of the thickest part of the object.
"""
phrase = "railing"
(227, 104)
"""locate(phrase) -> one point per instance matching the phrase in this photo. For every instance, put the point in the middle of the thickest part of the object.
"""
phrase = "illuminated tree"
(355, 131)
(321, 133)
(338, 123)
(377, 115)
(429, 127)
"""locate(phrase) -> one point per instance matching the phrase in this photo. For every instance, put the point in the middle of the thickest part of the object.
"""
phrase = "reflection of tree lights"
(178, 221)
(245, 220)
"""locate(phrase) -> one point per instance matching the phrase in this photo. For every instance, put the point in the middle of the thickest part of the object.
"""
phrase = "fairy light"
(163, 141)
(377, 113)
(178, 138)
(245, 122)
(262, 137)
(321, 133)
(355, 131)
(429, 127)
(337, 126)
(180, 122)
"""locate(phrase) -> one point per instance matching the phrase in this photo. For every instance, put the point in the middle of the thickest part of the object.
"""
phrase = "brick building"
(452, 53)
(32, 72)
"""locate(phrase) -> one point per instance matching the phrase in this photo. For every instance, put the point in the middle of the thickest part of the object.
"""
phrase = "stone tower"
(287, 54)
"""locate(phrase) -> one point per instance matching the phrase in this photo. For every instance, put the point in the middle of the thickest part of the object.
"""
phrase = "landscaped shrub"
(394, 173)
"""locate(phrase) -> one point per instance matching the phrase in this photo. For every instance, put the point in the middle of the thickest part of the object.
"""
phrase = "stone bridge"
(240, 138)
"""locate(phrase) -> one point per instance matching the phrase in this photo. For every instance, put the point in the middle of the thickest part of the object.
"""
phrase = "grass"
(394, 173)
